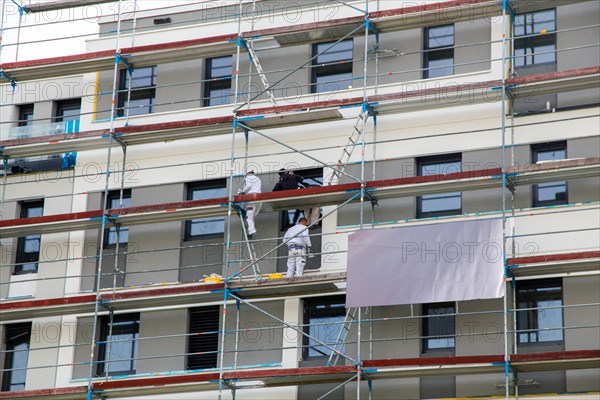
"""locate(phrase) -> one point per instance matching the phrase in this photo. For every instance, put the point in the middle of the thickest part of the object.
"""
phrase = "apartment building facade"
(120, 198)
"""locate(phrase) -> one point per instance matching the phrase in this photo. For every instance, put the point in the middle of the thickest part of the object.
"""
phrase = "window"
(67, 110)
(16, 338)
(202, 347)
(553, 193)
(143, 91)
(438, 327)
(28, 247)
(200, 227)
(114, 201)
(323, 319)
(438, 56)
(25, 115)
(435, 205)
(535, 40)
(332, 70)
(536, 323)
(123, 344)
(217, 88)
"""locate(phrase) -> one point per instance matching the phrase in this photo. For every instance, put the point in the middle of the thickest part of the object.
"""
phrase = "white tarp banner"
(425, 264)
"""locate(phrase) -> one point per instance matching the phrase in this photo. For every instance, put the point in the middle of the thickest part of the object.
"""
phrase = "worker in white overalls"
(252, 184)
(298, 243)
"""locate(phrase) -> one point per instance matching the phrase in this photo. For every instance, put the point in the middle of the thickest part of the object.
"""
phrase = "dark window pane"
(535, 42)
(537, 323)
(438, 326)
(68, 110)
(16, 339)
(114, 201)
(122, 358)
(26, 115)
(440, 36)
(552, 193)
(432, 205)
(217, 88)
(324, 318)
(206, 226)
(28, 247)
(438, 58)
(143, 91)
(332, 70)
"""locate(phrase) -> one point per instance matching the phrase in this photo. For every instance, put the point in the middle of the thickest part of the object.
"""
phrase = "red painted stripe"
(459, 360)
(167, 291)
(156, 381)
(553, 258)
(556, 356)
(13, 305)
(173, 125)
(50, 218)
(428, 361)
(277, 373)
(44, 392)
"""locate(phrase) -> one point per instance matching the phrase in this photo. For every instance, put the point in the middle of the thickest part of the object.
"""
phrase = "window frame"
(20, 331)
(547, 147)
(196, 340)
(528, 41)
(137, 92)
(531, 316)
(63, 105)
(212, 82)
(22, 256)
(432, 52)
(433, 160)
(134, 319)
(427, 318)
(220, 183)
(26, 110)
(330, 68)
(309, 304)
(116, 195)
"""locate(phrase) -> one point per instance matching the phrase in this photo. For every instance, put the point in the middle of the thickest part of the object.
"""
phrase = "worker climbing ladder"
(353, 141)
(249, 245)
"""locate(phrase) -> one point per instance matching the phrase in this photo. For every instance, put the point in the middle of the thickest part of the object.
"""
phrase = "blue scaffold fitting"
(120, 59)
(506, 5)
(369, 25)
(22, 9)
(13, 83)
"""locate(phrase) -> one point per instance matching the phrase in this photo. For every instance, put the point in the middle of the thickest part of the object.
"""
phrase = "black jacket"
(289, 182)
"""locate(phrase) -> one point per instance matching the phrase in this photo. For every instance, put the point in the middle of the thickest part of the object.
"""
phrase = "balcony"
(39, 130)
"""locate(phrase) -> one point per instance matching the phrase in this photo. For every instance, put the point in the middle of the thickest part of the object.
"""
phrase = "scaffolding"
(244, 286)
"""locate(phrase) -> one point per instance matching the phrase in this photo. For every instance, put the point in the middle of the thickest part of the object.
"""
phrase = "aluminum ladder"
(342, 335)
(249, 246)
(347, 151)
(259, 69)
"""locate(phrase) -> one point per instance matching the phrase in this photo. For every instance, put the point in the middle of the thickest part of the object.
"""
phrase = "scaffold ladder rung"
(249, 244)
(261, 72)
(347, 151)
(342, 335)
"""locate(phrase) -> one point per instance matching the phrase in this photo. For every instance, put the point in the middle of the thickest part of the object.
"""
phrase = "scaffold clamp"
(13, 83)
(120, 59)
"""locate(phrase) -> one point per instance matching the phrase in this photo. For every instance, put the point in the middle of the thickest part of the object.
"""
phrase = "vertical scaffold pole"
(230, 205)
(100, 257)
(503, 130)
(133, 27)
